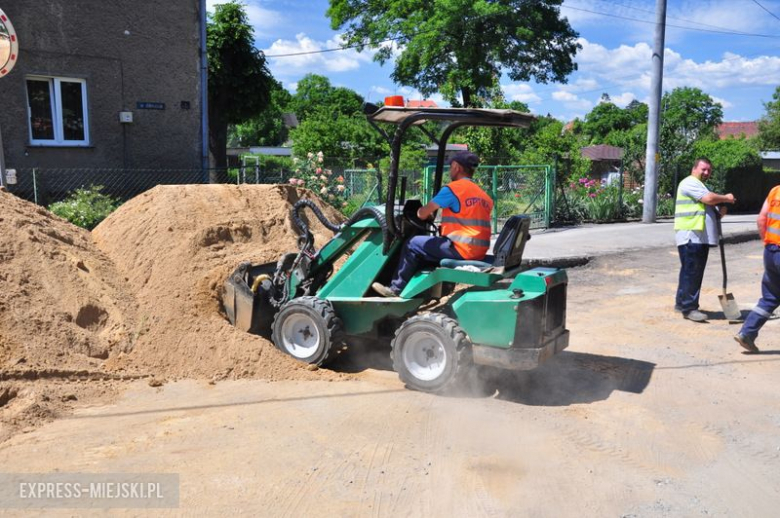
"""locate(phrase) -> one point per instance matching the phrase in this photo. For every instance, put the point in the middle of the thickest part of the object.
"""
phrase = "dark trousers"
(421, 251)
(693, 260)
(770, 293)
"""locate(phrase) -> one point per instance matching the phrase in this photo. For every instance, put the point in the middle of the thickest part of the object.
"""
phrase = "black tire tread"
(332, 324)
(463, 359)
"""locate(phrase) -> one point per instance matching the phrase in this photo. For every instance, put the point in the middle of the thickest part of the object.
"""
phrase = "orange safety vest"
(772, 236)
(469, 229)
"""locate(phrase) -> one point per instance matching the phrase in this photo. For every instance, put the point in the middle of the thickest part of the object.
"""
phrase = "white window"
(57, 109)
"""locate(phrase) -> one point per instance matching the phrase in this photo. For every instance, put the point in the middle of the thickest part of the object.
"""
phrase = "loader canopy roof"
(469, 116)
(449, 120)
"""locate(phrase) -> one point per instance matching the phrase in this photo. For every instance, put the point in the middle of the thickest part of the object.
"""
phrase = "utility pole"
(654, 116)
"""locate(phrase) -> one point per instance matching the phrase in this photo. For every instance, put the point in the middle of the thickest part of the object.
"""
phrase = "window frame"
(55, 94)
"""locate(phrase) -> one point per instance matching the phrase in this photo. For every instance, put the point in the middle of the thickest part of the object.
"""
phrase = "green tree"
(550, 143)
(462, 46)
(769, 124)
(497, 145)
(267, 128)
(338, 136)
(689, 115)
(603, 119)
(314, 93)
(726, 155)
(239, 81)
(637, 112)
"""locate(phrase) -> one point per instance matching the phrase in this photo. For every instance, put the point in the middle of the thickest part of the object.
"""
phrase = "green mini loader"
(501, 314)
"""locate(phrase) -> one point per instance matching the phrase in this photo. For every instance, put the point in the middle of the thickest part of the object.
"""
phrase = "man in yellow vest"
(696, 226)
(769, 228)
(465, 225)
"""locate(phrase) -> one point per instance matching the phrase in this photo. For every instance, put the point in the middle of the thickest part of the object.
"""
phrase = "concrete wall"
(128, 51)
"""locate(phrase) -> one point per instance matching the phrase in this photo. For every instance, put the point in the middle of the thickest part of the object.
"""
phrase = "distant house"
(104, 85)
(737, 129)
(606, 162)
(432, 152)
(771, 159)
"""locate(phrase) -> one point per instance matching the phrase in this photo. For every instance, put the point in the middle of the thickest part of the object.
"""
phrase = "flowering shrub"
(310, 173)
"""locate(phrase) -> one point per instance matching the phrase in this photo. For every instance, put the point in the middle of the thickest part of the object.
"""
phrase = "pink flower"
(592, 195)
(340, 179)
(517, 195)
(319, 170)
(293, 181)
(301, 182)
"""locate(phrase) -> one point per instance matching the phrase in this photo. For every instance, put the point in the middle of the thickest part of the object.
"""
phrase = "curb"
(582, 260)
(741, 237)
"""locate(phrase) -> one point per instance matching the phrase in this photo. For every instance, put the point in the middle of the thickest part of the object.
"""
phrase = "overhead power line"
(700, 29)
(714, 29)
(765, 9)
(687, 20)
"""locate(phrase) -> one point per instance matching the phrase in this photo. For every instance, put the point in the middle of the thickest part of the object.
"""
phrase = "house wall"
(128, 51)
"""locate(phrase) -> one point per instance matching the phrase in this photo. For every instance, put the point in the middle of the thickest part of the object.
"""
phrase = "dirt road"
(644, 415)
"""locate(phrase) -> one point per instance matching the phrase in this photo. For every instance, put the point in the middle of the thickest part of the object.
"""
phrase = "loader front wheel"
(308, 329)
(432, 353)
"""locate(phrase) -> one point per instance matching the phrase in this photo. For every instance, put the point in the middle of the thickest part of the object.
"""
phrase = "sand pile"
(63, 305)
(176, 245)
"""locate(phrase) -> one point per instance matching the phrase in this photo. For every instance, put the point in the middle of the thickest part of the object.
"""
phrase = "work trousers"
(418, 252)
(770, 293)
(693, 260)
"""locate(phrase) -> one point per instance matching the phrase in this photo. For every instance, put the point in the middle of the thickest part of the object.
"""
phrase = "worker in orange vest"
(769, 228)
(465, 225)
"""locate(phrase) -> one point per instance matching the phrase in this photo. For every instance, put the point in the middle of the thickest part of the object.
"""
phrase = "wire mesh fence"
(515, 189)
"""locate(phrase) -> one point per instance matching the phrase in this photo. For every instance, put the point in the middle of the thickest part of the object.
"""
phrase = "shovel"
(727, 302)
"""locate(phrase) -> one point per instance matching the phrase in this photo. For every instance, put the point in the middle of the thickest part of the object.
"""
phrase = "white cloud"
(572, 101)
(520, 92)
(623, 99)
(339, 61)
(723, 102)
(614, 67)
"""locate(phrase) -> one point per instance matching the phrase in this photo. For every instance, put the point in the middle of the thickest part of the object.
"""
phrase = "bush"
(86, 207)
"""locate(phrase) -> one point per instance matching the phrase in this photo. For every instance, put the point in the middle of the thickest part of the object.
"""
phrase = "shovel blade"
(730, 307)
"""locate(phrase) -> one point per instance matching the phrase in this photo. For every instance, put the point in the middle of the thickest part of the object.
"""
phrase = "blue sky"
(739, 70)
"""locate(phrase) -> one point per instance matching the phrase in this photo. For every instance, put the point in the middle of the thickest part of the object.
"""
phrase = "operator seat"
(508, 250)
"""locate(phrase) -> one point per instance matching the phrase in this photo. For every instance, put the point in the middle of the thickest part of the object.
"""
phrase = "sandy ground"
(644, 415)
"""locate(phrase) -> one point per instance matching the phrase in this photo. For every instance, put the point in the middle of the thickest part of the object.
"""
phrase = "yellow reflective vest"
(689, 214)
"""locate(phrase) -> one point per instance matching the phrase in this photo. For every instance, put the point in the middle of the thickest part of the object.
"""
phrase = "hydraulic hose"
(295, 214)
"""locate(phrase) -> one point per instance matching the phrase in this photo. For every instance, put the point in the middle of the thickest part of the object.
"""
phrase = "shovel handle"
(722, 254)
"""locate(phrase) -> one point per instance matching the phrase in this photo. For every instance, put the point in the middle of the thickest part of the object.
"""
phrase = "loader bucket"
(246, 298)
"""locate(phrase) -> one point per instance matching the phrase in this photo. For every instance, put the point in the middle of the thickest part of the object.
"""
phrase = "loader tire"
(308, 329)
(431, 353)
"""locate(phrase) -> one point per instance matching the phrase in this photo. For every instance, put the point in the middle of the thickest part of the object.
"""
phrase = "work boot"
(384, 290)
(695, 316)
(746, 342)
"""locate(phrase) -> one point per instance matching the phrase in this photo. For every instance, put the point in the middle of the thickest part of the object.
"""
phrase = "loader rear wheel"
(432, 353)
(308, 329)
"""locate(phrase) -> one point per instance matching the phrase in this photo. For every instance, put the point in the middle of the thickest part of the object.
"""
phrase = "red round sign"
(9, 45)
